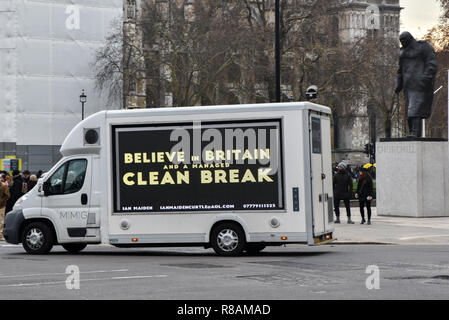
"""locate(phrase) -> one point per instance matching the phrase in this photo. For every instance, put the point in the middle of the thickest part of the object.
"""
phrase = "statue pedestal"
(412, 177)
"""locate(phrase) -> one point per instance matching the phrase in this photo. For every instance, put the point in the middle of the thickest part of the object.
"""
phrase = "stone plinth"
(412, 177)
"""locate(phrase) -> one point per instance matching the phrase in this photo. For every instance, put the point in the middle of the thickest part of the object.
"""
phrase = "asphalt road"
(292, 272)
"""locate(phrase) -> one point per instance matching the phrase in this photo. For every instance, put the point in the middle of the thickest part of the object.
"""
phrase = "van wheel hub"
(228, 240)
(35, 238)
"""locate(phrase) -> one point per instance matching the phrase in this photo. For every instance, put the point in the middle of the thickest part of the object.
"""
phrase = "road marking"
(81, 280)
(425, 236)
(140, 277)
(55, 274)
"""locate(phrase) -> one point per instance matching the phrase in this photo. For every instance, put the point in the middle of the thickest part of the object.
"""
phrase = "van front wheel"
(37, 238)
(228, 239)
(74, 247)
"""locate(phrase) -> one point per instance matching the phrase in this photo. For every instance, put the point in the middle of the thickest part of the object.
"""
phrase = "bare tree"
(439, 38)
(118, 64)
(108, 64)
(190, 48)
(377, 76)
(219, 52)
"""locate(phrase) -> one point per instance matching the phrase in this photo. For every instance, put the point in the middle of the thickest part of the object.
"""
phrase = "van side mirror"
(46, 188)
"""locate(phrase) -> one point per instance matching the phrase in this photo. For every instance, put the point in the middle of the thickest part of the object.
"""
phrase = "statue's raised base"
(412, 177)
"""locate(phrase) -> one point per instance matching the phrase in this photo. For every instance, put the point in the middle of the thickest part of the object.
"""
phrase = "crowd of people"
(343, 191)
(12, 187)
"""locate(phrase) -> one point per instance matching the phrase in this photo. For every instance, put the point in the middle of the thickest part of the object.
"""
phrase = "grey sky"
(419, 16)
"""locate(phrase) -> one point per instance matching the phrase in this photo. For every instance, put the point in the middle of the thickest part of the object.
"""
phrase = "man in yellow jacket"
(4, 196)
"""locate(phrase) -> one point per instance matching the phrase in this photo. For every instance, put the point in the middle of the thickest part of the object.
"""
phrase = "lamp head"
(83, 97)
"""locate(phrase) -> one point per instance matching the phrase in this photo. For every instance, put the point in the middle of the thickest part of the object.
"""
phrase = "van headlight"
(19, 202)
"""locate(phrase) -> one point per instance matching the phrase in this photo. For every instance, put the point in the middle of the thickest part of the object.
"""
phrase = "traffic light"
(367, 149)
(370, 150)
(373, 150)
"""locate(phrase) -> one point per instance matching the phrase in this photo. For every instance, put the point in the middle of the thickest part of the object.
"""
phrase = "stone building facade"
(134, 75)
(359, 19)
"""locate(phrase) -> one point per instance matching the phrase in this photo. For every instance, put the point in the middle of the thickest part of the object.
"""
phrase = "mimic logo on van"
(73, 215)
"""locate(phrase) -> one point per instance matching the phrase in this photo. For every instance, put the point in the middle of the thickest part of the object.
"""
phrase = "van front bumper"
(11, 228)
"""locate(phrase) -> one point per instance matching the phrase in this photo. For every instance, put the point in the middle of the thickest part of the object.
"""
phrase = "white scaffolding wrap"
(47, 48)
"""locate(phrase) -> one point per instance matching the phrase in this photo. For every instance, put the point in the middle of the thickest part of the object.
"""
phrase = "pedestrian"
(8, 180)
(15, 190)
(39, 174)
(365, 194)
(33, 182)
(4, 196)
(342, 191)
(26, 181)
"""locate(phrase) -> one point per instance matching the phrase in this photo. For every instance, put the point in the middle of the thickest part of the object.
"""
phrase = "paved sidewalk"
(392, 230)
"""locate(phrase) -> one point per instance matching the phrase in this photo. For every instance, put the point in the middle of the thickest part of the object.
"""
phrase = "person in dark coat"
(26, 179)
(342, 191)
(365, 193)
(15, 190)
(416, 76)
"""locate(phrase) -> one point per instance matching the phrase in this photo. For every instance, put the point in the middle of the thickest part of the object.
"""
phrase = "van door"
(321, 171)
(66, 200)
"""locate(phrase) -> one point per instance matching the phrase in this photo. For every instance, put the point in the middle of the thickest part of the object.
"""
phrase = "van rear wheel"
(228, 239)
(37, 238)
(74, 247)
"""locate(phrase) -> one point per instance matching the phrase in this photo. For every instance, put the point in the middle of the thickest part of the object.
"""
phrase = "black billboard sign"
(225, 166)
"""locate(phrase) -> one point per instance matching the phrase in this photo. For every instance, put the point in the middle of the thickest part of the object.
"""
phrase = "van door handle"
(84, 199)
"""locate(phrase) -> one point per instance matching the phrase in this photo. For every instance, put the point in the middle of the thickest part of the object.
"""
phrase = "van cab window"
(76, 172)
(69, 178)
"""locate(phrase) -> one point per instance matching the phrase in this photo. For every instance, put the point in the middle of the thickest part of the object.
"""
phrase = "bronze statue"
(416, 76)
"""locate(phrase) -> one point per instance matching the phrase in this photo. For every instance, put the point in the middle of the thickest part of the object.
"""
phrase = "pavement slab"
(392, 230)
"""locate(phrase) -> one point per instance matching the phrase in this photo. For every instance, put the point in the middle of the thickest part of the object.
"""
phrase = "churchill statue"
(416, 76)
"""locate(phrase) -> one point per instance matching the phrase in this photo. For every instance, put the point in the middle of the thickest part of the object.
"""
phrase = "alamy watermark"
(372, 17)
(73, 21)
(73, 279)
(373, 280)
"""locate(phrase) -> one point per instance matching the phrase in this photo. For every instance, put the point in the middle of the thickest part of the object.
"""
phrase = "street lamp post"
(278, 51)
(83, 99)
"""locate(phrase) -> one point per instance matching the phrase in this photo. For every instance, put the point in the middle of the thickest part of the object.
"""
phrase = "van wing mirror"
(45, 188)
(40, 187)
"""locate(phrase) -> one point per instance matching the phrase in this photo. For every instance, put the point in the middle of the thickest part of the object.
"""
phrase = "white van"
(235, 178)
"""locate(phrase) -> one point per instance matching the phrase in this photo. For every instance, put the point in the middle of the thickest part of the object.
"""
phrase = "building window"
(131, 9)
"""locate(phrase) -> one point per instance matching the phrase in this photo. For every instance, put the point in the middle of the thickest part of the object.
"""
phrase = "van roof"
(74, 142)
(220, 109)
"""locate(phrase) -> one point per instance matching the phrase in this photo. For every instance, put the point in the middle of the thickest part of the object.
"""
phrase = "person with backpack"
(365, 194)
